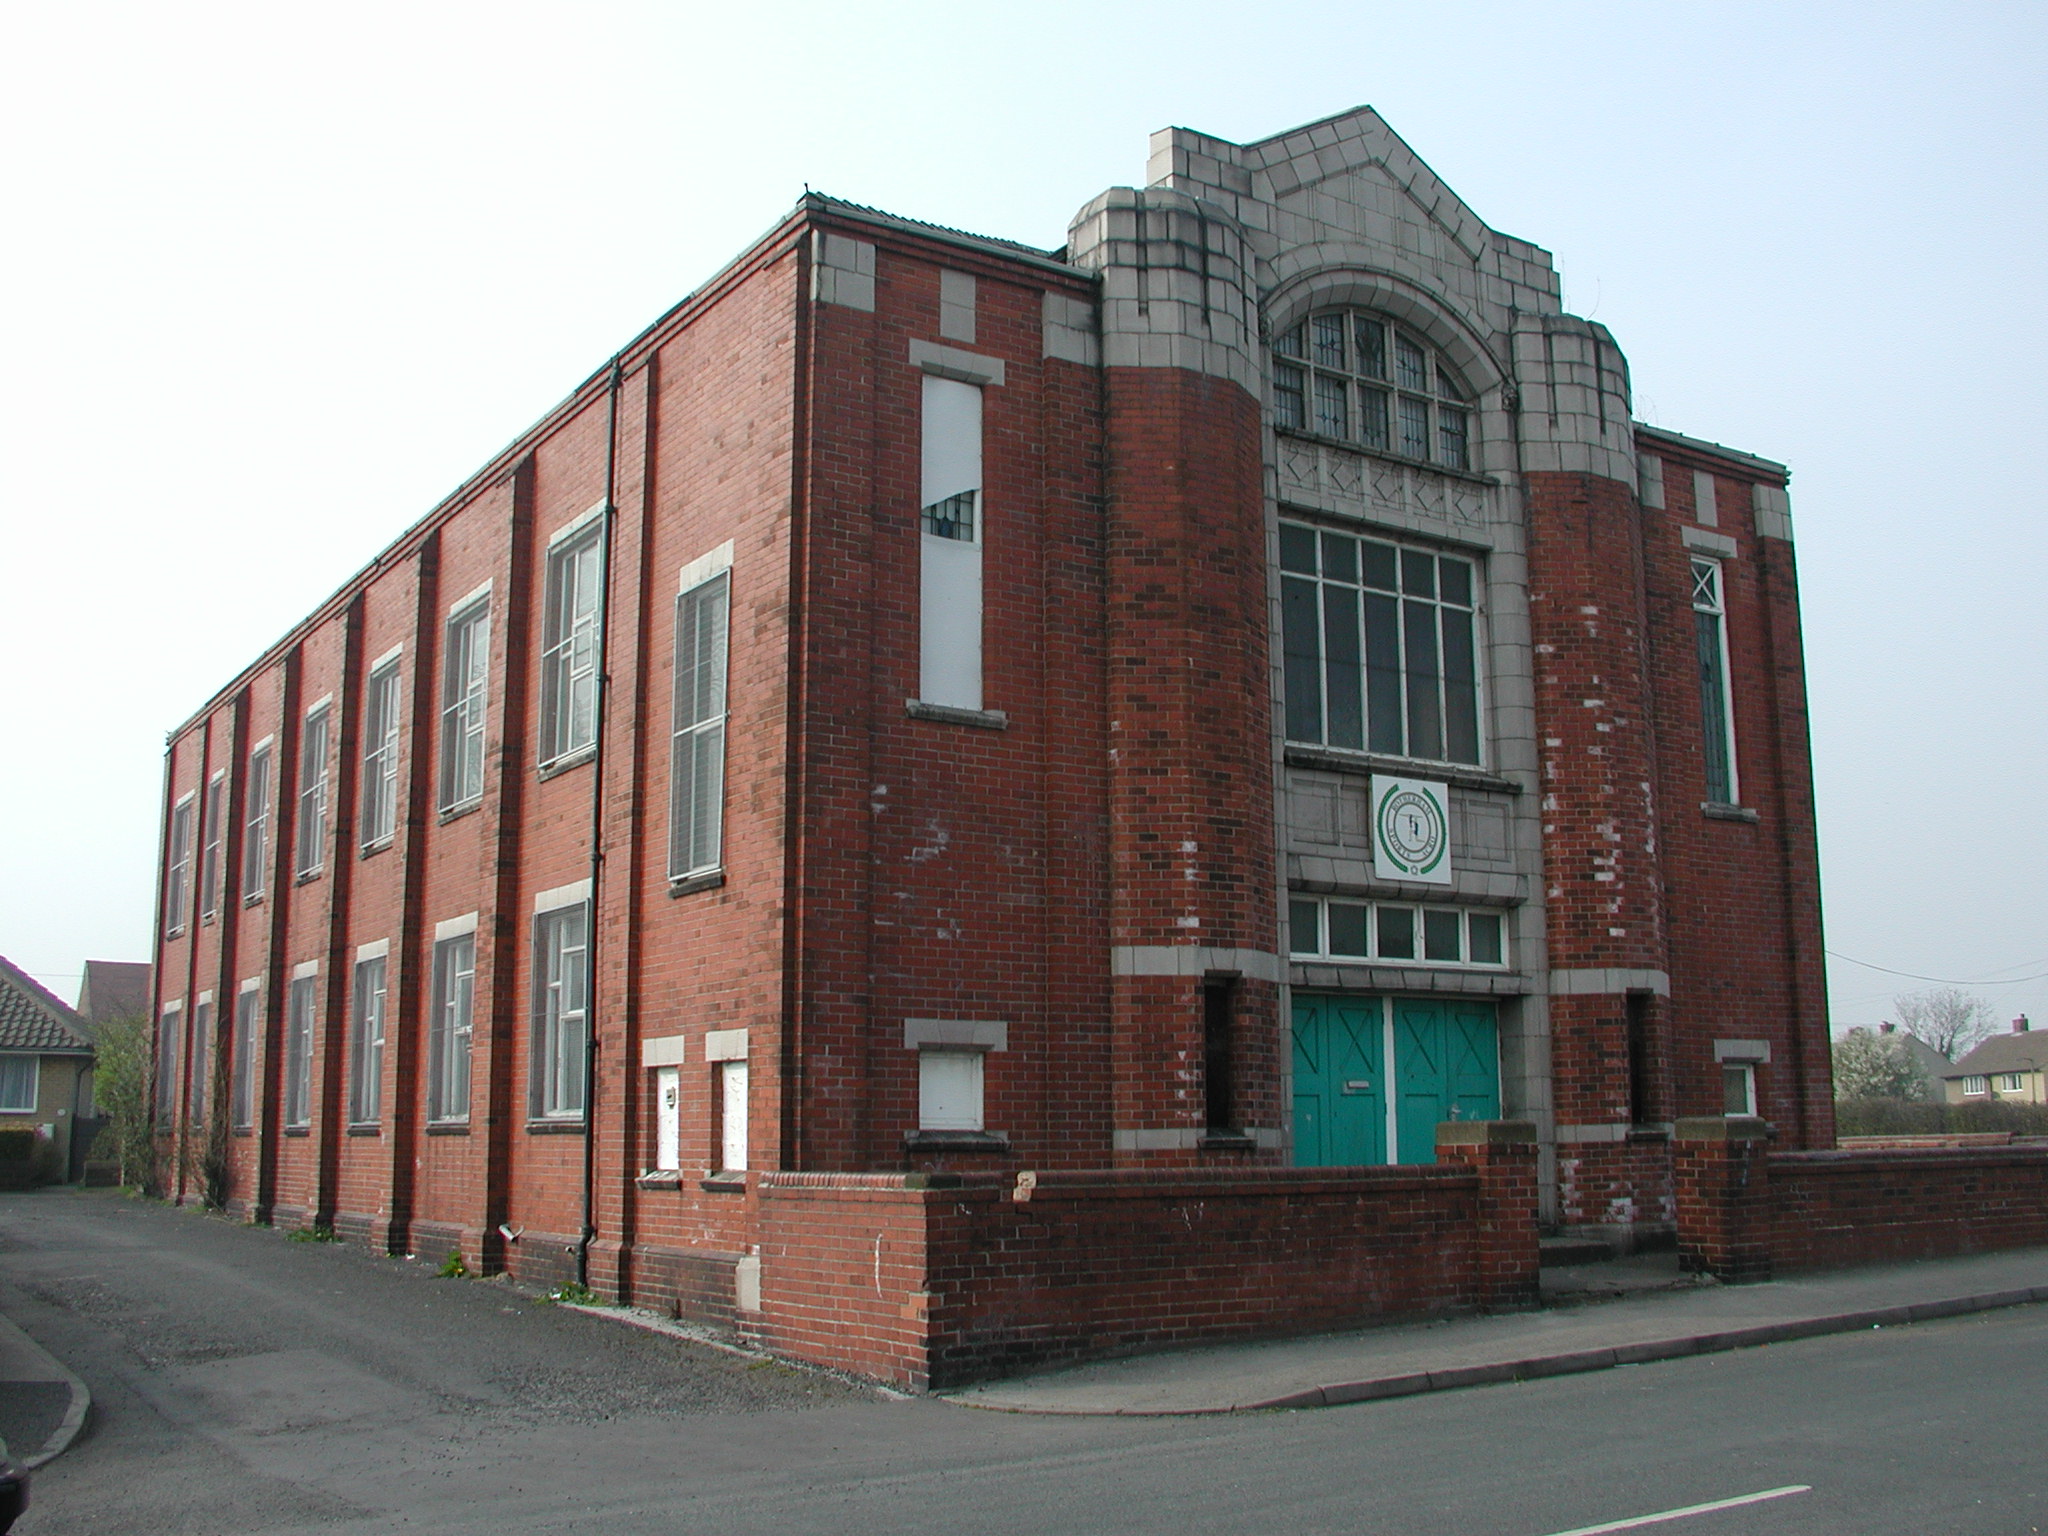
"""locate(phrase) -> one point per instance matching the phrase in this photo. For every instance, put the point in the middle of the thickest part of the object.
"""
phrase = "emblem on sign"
(1411, 830)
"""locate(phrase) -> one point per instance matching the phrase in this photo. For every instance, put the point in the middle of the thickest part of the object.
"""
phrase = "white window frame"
(1319, 601)
(560, 1089)
(256, 823)
(242, 1062)
(572, 622)
(210, 833)
(696, 841)
(301, 1016)
(1976, 1087)
(369, 999)
(952, 531)
(381, 712)
(452, 1032)
(178, 868)
(1310, 929)
(2009, 1082)
(19, 1064)
(465, 701)
(315, 743)
(170, 1030)
(1710, 601)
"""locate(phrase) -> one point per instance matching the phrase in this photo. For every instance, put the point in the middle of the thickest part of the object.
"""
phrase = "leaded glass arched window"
(1359, 377)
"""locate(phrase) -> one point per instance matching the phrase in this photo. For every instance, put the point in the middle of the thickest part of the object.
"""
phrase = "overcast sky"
(277, 277)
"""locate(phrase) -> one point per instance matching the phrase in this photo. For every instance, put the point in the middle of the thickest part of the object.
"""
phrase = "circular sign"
(1412, 830)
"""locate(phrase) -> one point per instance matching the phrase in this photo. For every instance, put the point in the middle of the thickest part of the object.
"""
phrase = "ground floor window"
(1374, 1076)
(1738, 1088)
(732, 1115)
(18, 1084)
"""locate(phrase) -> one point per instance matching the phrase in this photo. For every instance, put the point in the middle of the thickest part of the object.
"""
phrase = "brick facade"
(1087, 885)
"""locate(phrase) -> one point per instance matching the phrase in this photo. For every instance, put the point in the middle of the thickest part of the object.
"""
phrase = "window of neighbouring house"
(561, 1015)
(2009, 1082)
(178, 868)
(298, 1051)
(451, 1030)
(1365, 380)
(1396, 933)
(366, 1042)
(209, 847)
(465, 679)
(379, 816)
(697, 745)
(18, 1084)
(1717, 712)
(312, 819)
(1975, 1087)
(569, 643)
(1381, 646)
(256, 824)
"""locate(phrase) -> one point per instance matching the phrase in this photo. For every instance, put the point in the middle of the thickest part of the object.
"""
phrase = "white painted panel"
(668, 1118)
(952, 439)
(1703, 508)
(725, 1045)
(664, 1051)
(732, 1114)
(949, 1090)
(949, 670)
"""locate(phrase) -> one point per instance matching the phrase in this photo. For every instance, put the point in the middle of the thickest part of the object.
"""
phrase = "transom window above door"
(1358, 377)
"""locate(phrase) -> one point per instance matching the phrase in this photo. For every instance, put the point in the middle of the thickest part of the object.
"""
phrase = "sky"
(277, 277)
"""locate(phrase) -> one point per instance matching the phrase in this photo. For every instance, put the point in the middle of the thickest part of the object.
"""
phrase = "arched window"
(1359, 377)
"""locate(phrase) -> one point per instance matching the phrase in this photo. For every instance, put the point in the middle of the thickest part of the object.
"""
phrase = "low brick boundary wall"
(1746, 1213)
(936, 1280)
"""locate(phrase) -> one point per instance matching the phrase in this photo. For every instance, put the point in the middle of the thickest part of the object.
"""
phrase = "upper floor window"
(256, 825)
(313, 791)
(697, 746)
(1347, 374)
(568, 662)
(463, 697)
(1381, 646)
(1717, 715)
(209, 845)
(380, 756)
(178, 868)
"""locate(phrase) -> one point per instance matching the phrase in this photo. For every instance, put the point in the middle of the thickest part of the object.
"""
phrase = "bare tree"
(1947, 1018)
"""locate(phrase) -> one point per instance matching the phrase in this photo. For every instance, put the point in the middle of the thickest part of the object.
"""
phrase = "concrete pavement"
(1647, 1323)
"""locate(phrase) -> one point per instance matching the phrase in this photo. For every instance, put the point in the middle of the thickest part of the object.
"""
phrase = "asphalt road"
(244, 1383)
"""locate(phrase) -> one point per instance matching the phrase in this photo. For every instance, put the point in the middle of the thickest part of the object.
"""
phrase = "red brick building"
(1238, 690)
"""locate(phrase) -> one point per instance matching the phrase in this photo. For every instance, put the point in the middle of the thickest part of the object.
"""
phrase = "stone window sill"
(946, 714)
(562, 765)
(366, 1130)
(457, 812)
(689, 885)
(298, 1130)
(1714, 810)
(1344, 760)
(725, 1182)
(450, 1128)
(371, 850)
(554, 1127)
(1227, 1141)
(957, 1141)
(660, 1178)
(1427, 466)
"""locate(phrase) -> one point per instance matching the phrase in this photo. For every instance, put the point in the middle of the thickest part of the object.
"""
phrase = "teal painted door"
(1340, 1106)
(1446, 1067)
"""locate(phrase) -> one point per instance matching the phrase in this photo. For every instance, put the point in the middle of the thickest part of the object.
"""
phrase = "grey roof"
(2020, 1051)
(113, 989)
(33, 1019)
(1924, 1056)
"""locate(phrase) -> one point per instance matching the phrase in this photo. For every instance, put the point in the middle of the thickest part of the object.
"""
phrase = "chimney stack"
(1887, 1028)
(2019, 1025)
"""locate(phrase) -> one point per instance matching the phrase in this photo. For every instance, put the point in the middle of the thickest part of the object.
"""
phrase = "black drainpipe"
(604, 620)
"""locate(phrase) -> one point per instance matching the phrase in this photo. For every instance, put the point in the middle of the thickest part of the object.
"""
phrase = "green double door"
(1445, 1065)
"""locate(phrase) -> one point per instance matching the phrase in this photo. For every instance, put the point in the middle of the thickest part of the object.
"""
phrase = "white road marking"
(1690, 1509)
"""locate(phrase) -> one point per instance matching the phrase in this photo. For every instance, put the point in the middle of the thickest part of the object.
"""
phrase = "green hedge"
(17, 1144)
(1901, 1117)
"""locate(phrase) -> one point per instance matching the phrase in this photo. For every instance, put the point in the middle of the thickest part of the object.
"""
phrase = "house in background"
(1926, 1060)
(45, 1066)
(2009, 1066)
(112, 989)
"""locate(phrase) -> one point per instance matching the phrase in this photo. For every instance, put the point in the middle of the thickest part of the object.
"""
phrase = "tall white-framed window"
(451, 1030)
(256, 824)
(949, 1090)
(303, 1002)
(569, 643)
(312, 819)
(1381, 645)
(465, 689)
(366, 1041)
(18, 1083)
(178, 868)
(561, 1011)
(1363, 379)
(380, 755)
(242, 1063)
(169, 1026)
(202, 1056)
(1717, 707)
(209, 845)
(697, 744)
(950, 540)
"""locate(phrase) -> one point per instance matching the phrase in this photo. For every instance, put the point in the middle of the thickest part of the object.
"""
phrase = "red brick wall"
(940, 1285)
(1835, 1208)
